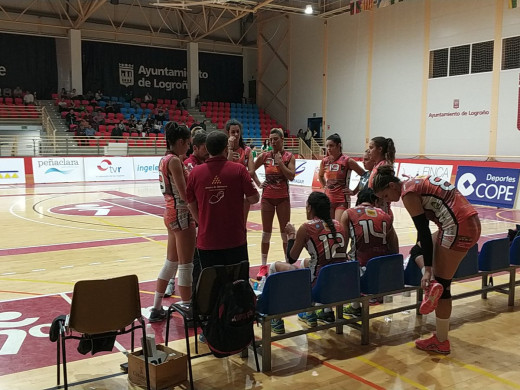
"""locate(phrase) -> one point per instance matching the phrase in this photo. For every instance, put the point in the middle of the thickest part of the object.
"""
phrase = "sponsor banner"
(109, 168)
(305, 171)
(12, 171)
(408, 170)
(488, 186)
(146, 168)
(58, 169)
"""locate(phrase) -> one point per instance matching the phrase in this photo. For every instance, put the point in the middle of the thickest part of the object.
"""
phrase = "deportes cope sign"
(488, 186)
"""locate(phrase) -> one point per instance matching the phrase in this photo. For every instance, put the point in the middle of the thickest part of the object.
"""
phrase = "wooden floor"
(55, 235)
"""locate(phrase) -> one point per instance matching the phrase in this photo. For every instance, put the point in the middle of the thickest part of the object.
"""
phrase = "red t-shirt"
(192, 161)
(443, 204)
(368, 228)
(219, 187)
(277, 184)
(337, 178)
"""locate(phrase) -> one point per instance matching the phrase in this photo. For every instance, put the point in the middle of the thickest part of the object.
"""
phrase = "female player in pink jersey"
(240, 153)
(279, 166)
(434, 199)
(382, 152)
(334, 176)
(177, 218)
(325, 240)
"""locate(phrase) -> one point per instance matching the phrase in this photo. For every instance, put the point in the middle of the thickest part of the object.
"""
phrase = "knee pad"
(168, 270)
(272, 268)
(266, 237)
(186, 274)
(284, 237)
(446, 283)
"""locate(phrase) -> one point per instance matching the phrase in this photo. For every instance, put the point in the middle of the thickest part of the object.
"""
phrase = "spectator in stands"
(307, 137)
(132, 123)
(254, 151)
(17, 93)
(89, 95)
(90, 132)
(147, 98)
(109, 108)
(311, 235)
(379, 239)
(300, 134)
(70, 118)
(185, 103)
(28, 98)
(160, 116)
(98, 119)
(74, 94)
(62, 105)
(197, 101)
(117, 131)
(139, 128)
(7, 92)
(266, 147)
(157, 126)
(64, 94)
(98, 95)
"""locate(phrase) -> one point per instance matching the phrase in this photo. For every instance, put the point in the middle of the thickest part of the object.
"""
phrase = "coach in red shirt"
(214, 191)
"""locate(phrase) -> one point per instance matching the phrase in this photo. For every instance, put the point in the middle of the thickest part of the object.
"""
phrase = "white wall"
(387, 77)
(305, 70)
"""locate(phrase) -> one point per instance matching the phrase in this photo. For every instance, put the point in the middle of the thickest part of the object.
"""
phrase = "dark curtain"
(30, 63)
(126, 70)
(224, 82)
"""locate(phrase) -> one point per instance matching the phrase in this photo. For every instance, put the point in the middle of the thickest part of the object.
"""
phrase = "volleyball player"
(240, 153)
(177, 218)
(198, 155)
(371, 234)
(434, 199)
(310, 235)
(334, 175)
(382, 152)
(279, 166)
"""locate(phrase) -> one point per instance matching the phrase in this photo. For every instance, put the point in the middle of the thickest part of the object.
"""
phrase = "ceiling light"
(308, 9)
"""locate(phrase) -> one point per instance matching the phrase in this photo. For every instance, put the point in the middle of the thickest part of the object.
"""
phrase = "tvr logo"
(106, 165)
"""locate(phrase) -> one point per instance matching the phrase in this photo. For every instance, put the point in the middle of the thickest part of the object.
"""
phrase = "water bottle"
(388, 299)
(150, 342)
(261, 284)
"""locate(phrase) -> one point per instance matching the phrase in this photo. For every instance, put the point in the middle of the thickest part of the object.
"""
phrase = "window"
(459, 60)
(511, 53)
(482, 57)
(438, 63)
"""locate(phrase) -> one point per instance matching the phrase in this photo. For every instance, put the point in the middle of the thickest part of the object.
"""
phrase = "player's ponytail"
(387, 148)
(320, 205)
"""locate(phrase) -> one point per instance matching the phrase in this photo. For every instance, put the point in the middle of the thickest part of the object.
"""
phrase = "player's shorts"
(339, 206)
(270, 204)
(464, 238)
(177, 220)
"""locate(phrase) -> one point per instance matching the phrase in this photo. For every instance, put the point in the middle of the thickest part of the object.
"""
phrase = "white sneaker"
(170, 289)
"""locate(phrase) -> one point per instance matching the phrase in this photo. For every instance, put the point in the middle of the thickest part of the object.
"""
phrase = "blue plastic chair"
(514, 251)
(494, 255)
(285, 292)
(337, 282)
(383, 274)
(469, 264)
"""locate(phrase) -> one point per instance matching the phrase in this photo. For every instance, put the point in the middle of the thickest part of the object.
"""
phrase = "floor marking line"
(329, 365)
(482, 372)
(35, 281)
(137, 235)
(391, 373)
(20, 292)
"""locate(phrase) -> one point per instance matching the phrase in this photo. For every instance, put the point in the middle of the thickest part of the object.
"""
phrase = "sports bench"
(289, 293)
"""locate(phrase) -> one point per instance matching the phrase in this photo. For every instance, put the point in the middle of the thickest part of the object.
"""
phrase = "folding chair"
(203, 301)
(99, 307)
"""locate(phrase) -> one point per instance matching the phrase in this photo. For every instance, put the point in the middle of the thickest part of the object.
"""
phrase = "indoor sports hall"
(439, 77)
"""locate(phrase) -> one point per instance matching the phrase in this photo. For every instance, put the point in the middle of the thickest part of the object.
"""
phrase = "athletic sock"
(443, 326)
(423, 269)
(264, 258)
(157, 300)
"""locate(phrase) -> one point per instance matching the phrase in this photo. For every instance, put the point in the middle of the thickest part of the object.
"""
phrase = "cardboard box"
(165, 375)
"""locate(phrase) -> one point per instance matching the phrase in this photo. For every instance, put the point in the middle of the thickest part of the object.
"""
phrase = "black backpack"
(229, 329)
